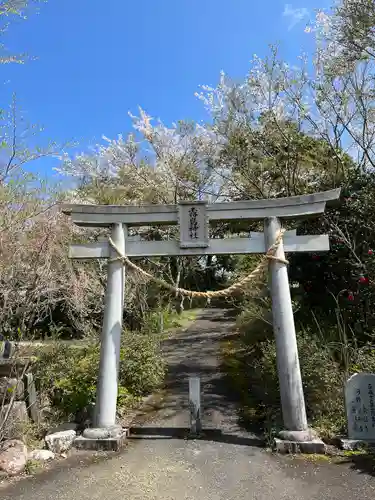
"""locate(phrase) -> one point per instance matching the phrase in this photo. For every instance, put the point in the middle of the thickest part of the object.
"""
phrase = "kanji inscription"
(360, 406)
(193, 225)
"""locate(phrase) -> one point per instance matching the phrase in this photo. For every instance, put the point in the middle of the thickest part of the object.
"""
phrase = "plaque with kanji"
(193, 224)
(360, 406)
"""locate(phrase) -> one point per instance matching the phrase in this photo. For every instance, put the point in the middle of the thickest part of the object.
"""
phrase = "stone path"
(160, 464)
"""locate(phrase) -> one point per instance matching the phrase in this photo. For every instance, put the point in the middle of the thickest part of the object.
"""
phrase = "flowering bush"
(341, 283)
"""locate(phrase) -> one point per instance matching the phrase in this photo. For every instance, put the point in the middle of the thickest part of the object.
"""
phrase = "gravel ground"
(225, 464)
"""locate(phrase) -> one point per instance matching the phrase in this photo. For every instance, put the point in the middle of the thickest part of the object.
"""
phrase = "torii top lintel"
(139, 215)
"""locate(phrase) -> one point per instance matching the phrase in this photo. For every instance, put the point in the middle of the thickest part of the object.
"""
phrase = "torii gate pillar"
(291, 390)
(106, 393)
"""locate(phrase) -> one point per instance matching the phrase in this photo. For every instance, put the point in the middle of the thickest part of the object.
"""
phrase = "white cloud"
(295, 15)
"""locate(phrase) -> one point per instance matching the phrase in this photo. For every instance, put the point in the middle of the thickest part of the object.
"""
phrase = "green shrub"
(363, 359)
(141, 368)
(67, 375)
(323, 382)
(251, 366)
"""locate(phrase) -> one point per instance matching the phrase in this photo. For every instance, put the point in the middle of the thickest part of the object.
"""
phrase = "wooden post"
(31, 398)
(161, 322)
(106, 397)
(291, 390)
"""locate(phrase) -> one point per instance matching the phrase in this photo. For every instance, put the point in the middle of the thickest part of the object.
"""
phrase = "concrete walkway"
(160, 464)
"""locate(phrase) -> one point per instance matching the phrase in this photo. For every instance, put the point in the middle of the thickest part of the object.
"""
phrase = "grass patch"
(180, 321)
(33, 467)
(354, 453)
(313, 457)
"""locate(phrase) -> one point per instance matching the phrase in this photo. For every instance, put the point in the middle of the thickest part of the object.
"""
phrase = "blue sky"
(98, 59)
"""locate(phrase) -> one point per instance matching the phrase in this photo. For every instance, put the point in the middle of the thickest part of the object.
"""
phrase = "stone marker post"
(195, 404)
(291, 390)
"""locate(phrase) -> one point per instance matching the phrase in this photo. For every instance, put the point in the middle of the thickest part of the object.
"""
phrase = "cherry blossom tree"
(10, 10)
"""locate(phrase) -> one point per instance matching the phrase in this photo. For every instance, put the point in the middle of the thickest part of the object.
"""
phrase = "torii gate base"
(108, 439)
(193, 219)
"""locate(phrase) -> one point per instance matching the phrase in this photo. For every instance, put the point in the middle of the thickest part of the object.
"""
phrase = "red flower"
(363, 279)
(350, 296)
(369, 251)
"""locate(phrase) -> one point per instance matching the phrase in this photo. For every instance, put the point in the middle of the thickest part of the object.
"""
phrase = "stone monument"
(360, 407)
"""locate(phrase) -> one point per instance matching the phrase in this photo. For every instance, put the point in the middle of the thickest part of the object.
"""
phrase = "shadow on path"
(361, 463)
(215, 435)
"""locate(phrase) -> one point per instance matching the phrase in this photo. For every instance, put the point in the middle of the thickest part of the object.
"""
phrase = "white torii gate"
(193, 219)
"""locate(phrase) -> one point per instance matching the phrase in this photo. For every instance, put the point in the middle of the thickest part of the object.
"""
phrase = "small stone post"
(195, 404)
(291, 390)
(106, 397)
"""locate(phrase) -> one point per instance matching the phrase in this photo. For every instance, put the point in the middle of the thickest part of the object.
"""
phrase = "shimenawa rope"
(239, 286)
